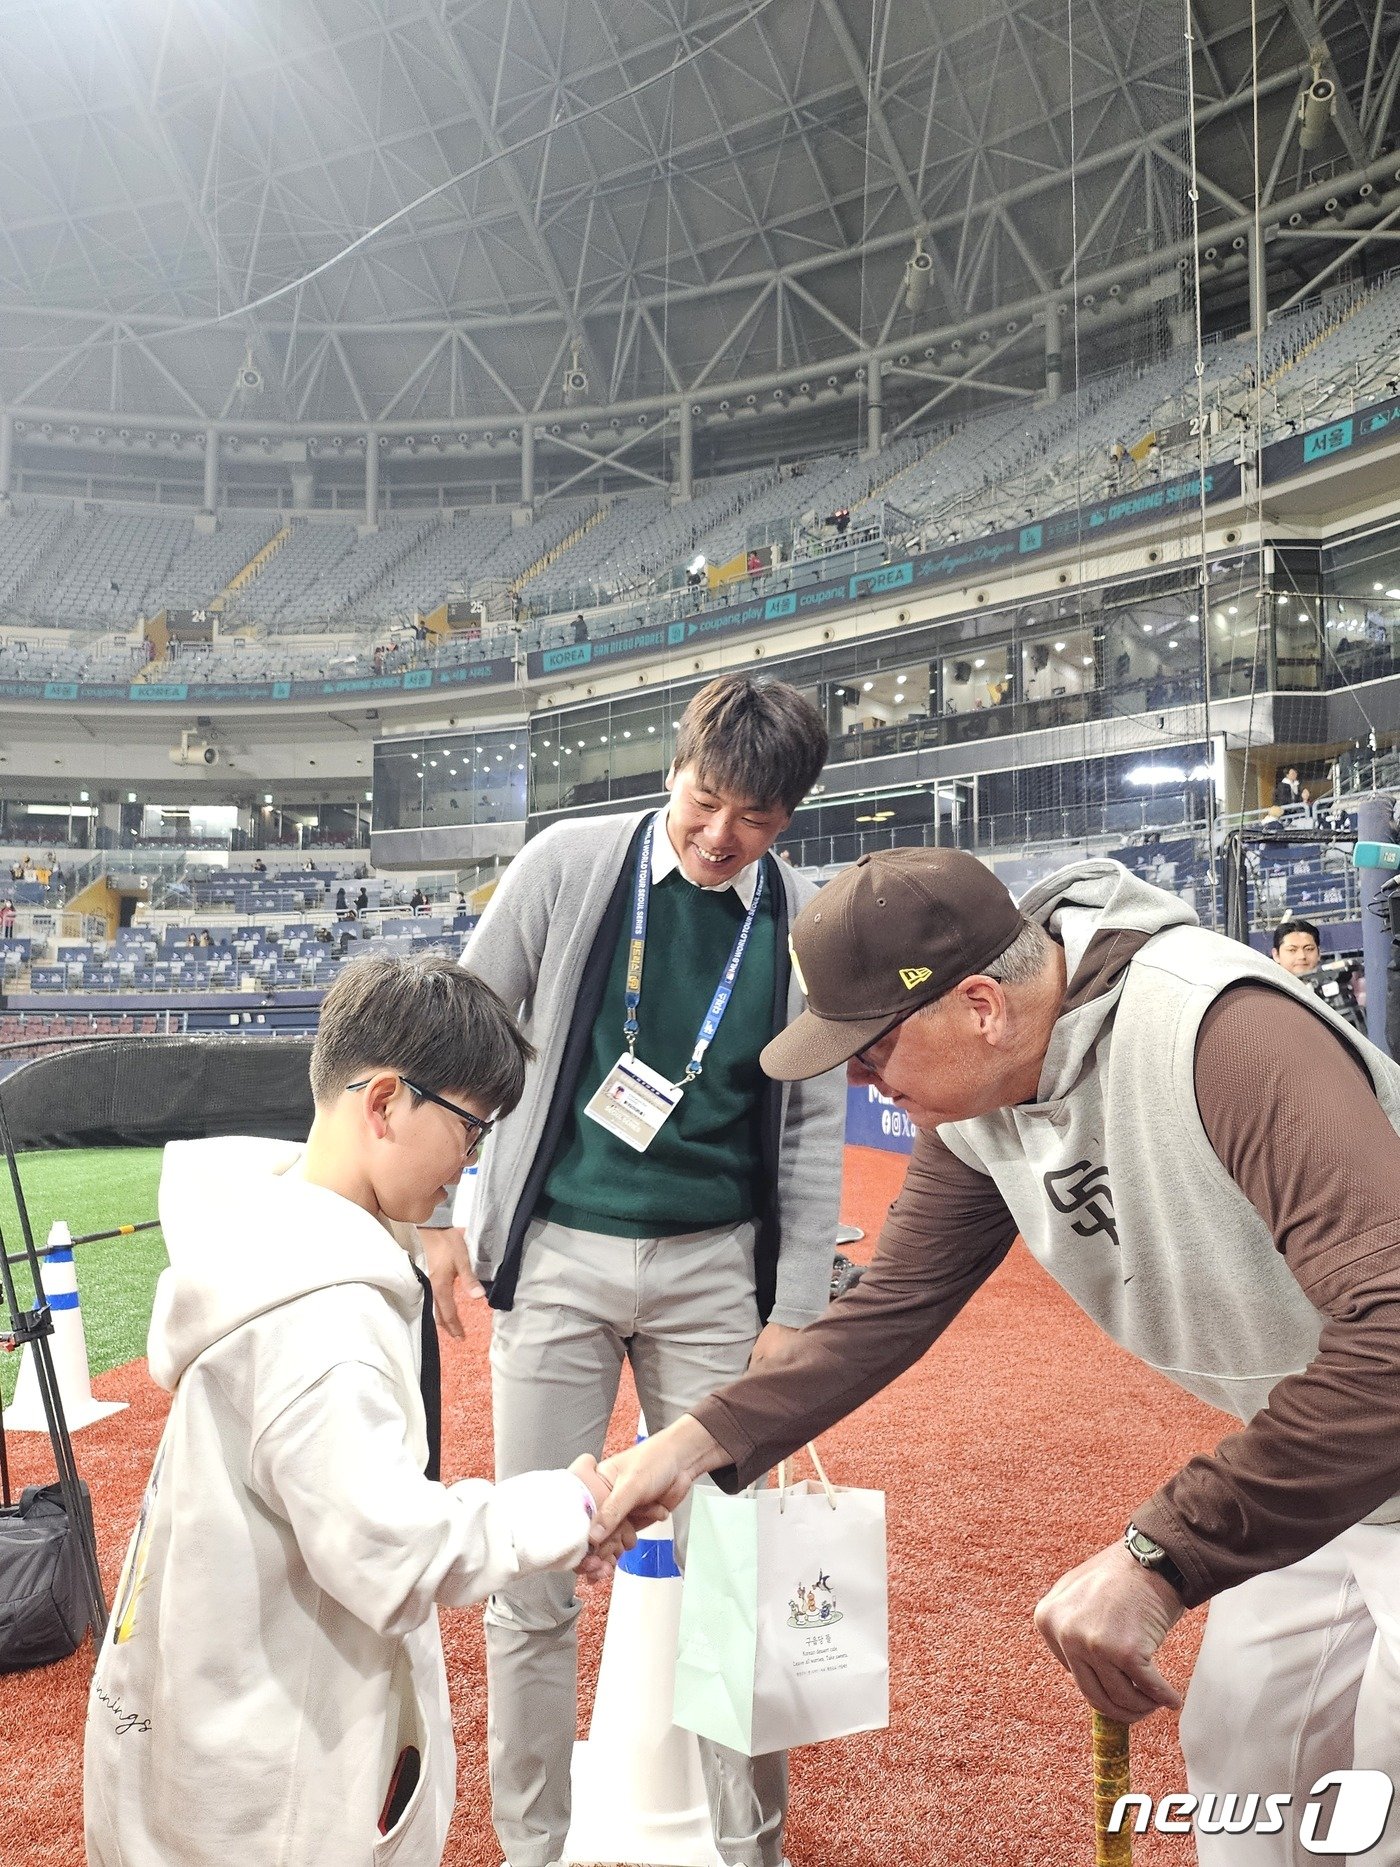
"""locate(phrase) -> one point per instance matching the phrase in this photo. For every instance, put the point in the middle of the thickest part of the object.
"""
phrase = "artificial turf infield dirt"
(1018, 1447)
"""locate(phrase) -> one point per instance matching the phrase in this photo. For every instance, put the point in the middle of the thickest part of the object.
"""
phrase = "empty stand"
(211, 562)
(108, 569)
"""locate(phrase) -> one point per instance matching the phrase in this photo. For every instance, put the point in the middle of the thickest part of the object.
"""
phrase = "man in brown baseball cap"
(892, 933)
(1094, 1072)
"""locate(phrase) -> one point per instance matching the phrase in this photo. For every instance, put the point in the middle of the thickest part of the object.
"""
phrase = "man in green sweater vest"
(655, 1197)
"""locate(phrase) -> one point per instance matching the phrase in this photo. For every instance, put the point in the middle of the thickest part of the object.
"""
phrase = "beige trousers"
(682, 1311)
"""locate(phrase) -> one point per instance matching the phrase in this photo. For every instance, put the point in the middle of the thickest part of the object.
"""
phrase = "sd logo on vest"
(1088, 1192)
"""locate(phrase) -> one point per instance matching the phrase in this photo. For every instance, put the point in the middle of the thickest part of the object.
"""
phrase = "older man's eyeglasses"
(477, 1129)
(864, 1058)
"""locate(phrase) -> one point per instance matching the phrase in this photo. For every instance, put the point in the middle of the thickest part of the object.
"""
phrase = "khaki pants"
(682, 1311)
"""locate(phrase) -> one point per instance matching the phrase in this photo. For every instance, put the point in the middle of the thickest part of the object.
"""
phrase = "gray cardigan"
(533, 945)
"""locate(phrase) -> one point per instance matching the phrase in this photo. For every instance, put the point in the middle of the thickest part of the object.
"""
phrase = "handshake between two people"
(637, 1488)
(1103, 1622)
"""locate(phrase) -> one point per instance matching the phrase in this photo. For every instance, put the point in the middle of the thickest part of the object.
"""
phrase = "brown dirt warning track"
(1018, 1447)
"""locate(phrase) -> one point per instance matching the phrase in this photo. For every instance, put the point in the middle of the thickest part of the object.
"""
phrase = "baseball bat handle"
(1111, 1780)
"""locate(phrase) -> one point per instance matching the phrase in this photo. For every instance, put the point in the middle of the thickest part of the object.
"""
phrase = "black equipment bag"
(43, 1608)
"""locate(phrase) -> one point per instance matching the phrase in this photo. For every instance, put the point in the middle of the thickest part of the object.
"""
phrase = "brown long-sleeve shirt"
(1292, 1116)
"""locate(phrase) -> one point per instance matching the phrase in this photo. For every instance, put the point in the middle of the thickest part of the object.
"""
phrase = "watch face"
(1143, 1547)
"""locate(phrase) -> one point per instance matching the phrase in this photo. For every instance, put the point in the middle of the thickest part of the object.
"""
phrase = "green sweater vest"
(700, 1170)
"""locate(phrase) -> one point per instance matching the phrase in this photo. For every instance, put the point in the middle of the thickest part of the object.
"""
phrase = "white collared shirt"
(664, 859)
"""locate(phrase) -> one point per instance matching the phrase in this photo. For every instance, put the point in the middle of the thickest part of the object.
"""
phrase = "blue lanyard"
(636, 953)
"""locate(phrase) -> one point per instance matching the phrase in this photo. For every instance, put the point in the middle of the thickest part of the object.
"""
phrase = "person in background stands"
(1288, 790)
(1297, 947)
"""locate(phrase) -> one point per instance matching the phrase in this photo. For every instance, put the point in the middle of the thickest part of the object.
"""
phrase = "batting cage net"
(142, 1092)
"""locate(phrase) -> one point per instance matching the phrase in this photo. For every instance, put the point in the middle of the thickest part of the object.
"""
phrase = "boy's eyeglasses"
(477, 1129)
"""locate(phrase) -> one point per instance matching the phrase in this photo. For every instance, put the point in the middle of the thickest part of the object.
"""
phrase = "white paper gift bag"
(784, 1634)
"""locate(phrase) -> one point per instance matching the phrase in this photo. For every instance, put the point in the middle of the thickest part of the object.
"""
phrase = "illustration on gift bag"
(815, 1605)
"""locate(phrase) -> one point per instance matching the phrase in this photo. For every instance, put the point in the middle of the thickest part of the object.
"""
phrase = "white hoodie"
(274, 1646)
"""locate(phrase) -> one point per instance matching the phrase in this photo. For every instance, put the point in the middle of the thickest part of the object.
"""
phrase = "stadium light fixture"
(1156, 774)
(1315, 109)
(916, 278)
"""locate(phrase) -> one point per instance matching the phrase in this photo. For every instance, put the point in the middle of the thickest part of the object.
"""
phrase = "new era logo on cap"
(910, 976)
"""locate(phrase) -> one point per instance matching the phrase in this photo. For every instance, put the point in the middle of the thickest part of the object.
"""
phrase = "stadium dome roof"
(399, 211)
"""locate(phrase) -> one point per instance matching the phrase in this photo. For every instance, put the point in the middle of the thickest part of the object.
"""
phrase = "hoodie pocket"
(410, 1839)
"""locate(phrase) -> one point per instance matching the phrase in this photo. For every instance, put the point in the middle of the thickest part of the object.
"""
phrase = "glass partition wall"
(438, 780)
(1106, 657)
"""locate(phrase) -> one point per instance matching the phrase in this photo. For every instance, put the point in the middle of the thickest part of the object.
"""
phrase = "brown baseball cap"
(896, 930)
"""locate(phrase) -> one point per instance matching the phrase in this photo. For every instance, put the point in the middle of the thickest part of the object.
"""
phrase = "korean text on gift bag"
(784, 1635)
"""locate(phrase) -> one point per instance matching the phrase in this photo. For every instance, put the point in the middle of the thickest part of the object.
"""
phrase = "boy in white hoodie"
(271, 1687)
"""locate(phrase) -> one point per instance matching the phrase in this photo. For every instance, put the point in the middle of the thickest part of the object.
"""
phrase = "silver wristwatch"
(1150, 1554)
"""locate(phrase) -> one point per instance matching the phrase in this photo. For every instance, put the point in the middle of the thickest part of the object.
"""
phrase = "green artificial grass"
(92, 1189)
